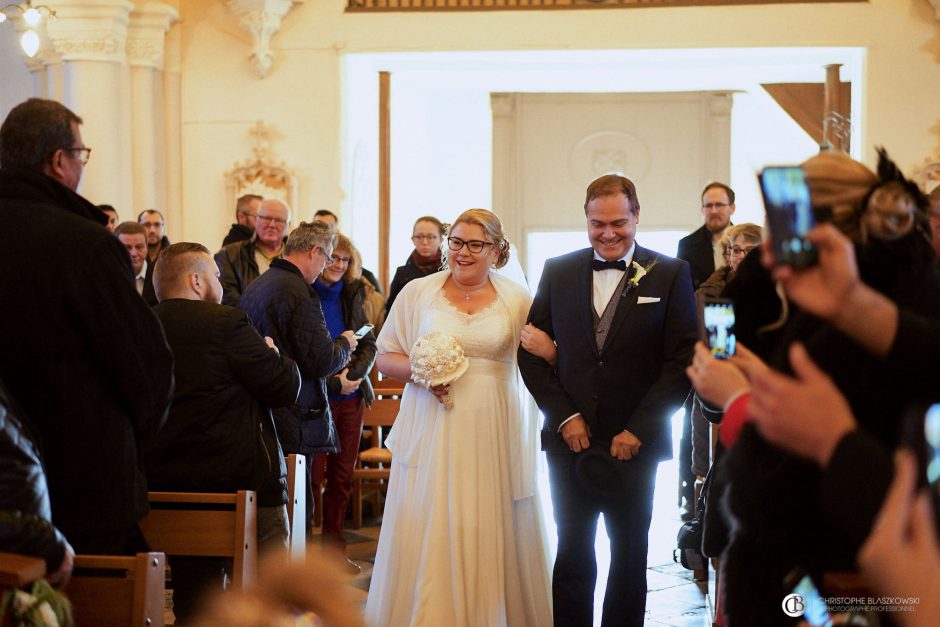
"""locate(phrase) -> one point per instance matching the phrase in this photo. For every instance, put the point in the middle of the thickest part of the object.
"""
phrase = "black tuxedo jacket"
(696, 249)
(639, 376)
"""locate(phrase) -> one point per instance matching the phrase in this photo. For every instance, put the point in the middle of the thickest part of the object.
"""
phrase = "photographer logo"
(793, 605)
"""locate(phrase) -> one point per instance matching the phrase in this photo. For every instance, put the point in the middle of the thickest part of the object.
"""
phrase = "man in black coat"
(283, 305)
(623, 320)
(702, 248)
(220, 434)
(246, 216)
(83, 354)
(703, 251)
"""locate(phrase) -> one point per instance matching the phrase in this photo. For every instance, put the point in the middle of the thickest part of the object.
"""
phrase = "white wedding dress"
(456, 548)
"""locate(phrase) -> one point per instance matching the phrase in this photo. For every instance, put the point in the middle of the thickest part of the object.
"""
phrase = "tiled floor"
(674, 598)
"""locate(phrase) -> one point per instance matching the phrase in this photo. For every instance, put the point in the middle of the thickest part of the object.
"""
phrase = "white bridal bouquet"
(437, 359)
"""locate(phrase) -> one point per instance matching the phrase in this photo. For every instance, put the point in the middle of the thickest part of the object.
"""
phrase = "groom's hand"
(576, 434)
(625, 445)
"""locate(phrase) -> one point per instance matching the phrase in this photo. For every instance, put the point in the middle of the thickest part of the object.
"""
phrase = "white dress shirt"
(139, 279)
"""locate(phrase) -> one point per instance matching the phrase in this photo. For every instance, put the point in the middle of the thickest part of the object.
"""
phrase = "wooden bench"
(105, 590)
(198, 524)
(297, 506)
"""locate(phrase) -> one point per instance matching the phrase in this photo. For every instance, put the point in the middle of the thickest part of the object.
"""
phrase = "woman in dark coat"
(342, 296)
(774, 498)
(427, 235)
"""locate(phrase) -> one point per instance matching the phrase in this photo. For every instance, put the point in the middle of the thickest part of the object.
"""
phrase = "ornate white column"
(262, 20)
(90, 37)
(145, 53)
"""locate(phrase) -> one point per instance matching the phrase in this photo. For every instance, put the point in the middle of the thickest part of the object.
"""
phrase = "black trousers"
(627, 521)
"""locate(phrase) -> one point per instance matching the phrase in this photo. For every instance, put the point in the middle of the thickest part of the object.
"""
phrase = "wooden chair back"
(373, 475)
(201, 524)
(115, 591)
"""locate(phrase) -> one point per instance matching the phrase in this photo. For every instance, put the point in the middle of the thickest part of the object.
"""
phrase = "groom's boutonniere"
(639, 272)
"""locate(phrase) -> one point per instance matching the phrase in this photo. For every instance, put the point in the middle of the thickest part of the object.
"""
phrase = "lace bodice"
(487, 333)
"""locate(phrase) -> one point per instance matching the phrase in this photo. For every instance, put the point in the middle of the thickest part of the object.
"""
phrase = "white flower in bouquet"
(437, 359)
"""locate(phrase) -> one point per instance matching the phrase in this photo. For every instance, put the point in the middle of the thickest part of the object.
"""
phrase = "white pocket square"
(642, 300)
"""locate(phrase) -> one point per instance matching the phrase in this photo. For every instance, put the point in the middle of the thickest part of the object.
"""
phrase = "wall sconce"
(32, 15)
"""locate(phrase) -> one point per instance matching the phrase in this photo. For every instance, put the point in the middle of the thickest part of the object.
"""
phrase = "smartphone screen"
(815, 611)
(789, 215)
(718, 326)
(361, 333)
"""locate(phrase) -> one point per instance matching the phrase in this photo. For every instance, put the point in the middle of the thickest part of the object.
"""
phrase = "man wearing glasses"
(283, 305)
(704, 252)
(155, 226)
(702, 248)
(243, 262)
(83, 356)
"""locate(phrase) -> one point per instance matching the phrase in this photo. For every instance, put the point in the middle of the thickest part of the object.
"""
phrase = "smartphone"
(363, 330)
(921, 433)
(716, 326)
(789, 215)
(808, 603)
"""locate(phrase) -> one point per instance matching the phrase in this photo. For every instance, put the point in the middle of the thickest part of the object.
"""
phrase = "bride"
(462, 540)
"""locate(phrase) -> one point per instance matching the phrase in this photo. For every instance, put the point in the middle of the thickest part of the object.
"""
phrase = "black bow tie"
(597, 264)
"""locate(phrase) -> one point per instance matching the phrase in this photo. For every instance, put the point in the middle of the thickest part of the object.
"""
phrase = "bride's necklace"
(468, 293)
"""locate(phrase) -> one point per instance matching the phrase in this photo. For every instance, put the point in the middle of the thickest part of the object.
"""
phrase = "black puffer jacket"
(219, 436)
(25, 515)
(283, 306)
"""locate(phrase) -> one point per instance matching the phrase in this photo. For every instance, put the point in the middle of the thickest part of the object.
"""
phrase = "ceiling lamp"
(32, 15)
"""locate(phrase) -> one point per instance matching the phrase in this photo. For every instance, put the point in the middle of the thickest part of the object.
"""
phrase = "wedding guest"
(884, 216)
(427, 235)
(462, 539)
(328, 217)
(133, 237)
(241, 263)
(284, 306)
(112, 215)
(342, 295)
(246, 215)
(97, 378)
(155, 225)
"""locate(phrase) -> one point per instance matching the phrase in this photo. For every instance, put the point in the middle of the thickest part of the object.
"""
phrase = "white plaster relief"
(262, 20)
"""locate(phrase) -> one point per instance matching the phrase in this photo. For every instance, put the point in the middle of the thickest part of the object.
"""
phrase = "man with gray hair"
(283, 305)
(83, 355)
(243, 262)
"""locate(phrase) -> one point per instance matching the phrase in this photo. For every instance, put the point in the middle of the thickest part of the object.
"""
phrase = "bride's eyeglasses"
(473, 245)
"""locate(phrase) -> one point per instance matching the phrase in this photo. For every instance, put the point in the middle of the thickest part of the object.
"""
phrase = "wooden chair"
(104, 590)
(373, 465)
(115, 590)
(207, 525)
(297, 505)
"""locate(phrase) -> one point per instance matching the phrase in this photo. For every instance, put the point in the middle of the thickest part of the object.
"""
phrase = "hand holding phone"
(716, 326)
(363, 330)
(789, 215)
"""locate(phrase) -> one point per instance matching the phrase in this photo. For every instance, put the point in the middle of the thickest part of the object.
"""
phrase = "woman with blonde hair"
(342, 295)
(462, 539)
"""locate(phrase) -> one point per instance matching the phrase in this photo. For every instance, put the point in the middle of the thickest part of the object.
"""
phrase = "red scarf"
(426, 265)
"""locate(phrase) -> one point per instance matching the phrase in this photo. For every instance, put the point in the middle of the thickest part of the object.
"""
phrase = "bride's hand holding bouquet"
(437, 360)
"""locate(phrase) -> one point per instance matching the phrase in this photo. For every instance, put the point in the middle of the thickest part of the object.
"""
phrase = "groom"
(623, 318)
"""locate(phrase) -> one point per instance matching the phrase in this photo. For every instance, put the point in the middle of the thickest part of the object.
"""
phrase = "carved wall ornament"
(261, 174)
(262, 20)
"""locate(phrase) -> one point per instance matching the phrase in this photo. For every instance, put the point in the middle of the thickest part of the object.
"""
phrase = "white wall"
(320, 93)
(310, 96)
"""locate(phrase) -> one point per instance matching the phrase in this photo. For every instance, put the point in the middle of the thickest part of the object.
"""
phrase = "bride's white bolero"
(403, 327)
